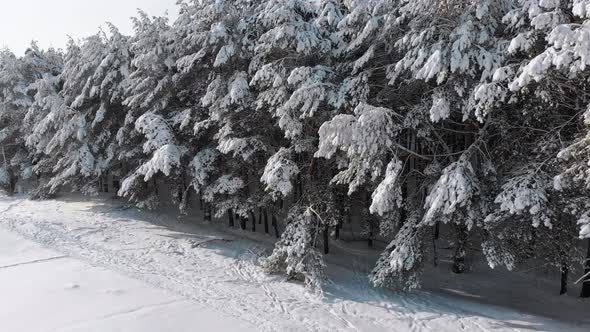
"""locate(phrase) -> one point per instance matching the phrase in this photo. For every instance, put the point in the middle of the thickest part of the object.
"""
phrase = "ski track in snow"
(226, 276)
(32, 262)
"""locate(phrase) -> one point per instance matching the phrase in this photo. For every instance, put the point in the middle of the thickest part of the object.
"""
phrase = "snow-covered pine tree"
(83, 139)
(46, 114)
(70, 148)
(541, 81)
(278, 108)
(240, 133)
(450, 47)
(147, 140)
(292, 81)
(107, 113)
(15, 76)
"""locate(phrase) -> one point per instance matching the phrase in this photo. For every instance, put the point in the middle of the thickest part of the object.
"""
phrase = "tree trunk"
(185, 200)
(369, 219)
(106, 182)
(371, 239)
(265, 221)
(349, 220)
(116, 185)
(326, 239)
(180, 194)
(253, 220)
(586, 282)
(243, 221)
(337, 229)
(259, 216)
(459, 258)
(434, 251)
(230, 214)
(437, 230)
(340, 220)
(275, 225)
(564, 275)
(12, 179)
(207, 212)
(155, 184)
(530, 250)
(12, 185)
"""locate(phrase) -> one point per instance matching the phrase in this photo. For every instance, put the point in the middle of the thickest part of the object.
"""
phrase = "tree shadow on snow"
(347, 274)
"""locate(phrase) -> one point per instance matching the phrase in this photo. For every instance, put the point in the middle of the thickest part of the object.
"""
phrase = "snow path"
(226, 276)
(44, 291)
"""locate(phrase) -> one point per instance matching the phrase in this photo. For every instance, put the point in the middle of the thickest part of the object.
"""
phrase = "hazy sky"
(50, 21)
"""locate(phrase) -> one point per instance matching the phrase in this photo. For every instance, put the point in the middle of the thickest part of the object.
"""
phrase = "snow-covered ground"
(108, 268)
(43, 290)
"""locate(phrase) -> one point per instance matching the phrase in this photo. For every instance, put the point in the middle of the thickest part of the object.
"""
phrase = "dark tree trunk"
(116, 185)
(530, 250)
(564, 275)
(436, 230)
(180, 194)
(326, 239)
(349, 220)
(460, 256)
(207, 212)
(105, 185)
(371, 239)
(434, 251)
(184, 201)
(586, 282)
(155, 184)
(275, 225)
(12, 185)
(253, 220)
(435, 237)
(369, 219)
(340, 220)
(259, 216)
(230, 214)
(265, 221)
(243, 221)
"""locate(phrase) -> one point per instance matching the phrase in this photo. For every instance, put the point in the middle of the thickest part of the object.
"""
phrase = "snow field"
(206, 268)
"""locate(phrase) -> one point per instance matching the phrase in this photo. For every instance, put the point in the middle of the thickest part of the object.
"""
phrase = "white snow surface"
(44, 290)
(81, 264)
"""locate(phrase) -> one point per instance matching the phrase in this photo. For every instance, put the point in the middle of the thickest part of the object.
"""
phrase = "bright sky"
(50, 21)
